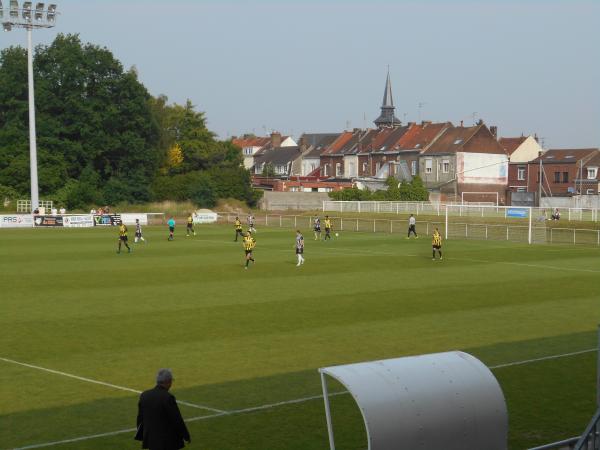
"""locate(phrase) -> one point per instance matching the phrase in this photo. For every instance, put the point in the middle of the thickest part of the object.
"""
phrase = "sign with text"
(48, 221)
(83, 221)
(520, 213)
(107, 220)
(209, 217)
(16, 221)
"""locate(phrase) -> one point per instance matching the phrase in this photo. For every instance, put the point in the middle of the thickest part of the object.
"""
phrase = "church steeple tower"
(387, 117)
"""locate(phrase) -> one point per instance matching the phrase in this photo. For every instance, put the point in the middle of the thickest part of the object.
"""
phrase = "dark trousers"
(412, 229)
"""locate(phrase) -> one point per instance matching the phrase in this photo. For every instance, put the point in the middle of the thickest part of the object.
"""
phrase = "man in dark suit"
(159, 422)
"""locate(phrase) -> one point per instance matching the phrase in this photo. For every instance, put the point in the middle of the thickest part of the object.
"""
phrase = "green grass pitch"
(239, 339)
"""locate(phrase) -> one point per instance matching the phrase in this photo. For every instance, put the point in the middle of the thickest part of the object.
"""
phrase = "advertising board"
(16, 221)
(83, 221)
(48, 221)
(107, 220)
(130, 218)
(208, 217)
(520, 213)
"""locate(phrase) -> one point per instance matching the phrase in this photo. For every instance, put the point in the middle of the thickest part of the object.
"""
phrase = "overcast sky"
(320, 66)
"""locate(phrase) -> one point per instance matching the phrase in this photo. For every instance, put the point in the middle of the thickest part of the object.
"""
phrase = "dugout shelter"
(445, 400)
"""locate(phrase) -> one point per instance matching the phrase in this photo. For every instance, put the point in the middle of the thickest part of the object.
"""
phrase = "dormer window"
(592, 173)
(458, 142)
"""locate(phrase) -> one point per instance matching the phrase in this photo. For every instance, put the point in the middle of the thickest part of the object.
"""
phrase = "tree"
(268, 170)
(91, 113)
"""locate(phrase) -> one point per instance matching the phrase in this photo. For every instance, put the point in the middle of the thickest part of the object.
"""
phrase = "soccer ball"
(337, 234)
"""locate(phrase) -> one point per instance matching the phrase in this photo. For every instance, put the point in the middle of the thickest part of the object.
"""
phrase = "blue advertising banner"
(521, 213)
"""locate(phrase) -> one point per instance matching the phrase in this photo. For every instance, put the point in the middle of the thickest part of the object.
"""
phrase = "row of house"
(455, 162)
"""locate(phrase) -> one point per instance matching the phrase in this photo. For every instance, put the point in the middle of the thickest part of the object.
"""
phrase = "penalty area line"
(101, 383)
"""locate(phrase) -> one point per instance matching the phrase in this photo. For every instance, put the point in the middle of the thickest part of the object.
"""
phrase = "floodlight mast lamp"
(29, 18)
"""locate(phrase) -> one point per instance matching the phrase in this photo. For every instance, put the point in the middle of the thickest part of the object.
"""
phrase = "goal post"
(481, 222)
(480, 198)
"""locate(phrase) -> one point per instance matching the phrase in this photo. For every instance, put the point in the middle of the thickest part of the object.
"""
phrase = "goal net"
(481, 222)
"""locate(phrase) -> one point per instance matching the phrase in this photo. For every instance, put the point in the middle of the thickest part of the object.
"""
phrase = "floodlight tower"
(29, 18)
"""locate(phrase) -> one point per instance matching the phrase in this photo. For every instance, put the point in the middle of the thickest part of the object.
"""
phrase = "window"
(557, 177)
(565, 177)
(522, 189)
(458, 142)
(413, 168)
(281, 168)
(364, 167)
(590, 192)
(592, 172)
(445, 166)
(428, 165)
(338, 170)
(326, 170)
(521, 173)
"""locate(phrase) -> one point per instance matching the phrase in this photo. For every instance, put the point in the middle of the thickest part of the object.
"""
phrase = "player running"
(238, 228)
(412, 227)
(317, 229)
(251, 221)
(123, 237)
(249, 243)
(171, 224)
(327, 228)
(138, 232)
(436, 243)
(190, 226)
(299, 248)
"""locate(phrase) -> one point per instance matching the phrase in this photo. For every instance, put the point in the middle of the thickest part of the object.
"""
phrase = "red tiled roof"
(252, 141)
(339, 143)
(421, 136)
(459, 139)
(511, 144)
(566, 155)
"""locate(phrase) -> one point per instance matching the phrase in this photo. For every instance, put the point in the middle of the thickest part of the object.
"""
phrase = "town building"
(562, 172)
(466, 164)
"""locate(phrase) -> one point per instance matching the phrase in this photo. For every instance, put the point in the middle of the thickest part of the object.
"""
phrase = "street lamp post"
(29, 18)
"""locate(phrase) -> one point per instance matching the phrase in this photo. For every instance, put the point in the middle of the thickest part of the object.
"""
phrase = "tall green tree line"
(102, 138)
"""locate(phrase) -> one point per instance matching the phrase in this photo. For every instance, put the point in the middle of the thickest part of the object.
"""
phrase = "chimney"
(462, 123)
(276, 139)
(302, 144)
(494, 131)
(425, 122)
(410, 124)
(537, 139)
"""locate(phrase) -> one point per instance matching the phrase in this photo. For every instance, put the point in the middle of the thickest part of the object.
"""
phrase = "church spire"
(387, 117)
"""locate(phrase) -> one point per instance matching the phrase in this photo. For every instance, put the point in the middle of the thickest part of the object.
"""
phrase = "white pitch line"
(283, 403)
(191, 419)
(101, 383)
(543, 358)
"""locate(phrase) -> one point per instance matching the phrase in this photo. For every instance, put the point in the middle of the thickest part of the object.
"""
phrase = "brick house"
(520, 150)
(561, 171)
(252, 146)
(466, 164)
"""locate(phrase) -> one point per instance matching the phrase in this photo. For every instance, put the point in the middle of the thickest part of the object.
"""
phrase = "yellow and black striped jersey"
(122, 230)
(327, 223)
(238, 224)
(249, 243)
(436, 239)
(190, 220)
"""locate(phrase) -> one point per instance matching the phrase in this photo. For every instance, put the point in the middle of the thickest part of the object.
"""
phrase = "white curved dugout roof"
(449, 401)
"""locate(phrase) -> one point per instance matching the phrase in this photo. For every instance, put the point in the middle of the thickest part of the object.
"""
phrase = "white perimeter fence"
(452, 227)
(458, 209)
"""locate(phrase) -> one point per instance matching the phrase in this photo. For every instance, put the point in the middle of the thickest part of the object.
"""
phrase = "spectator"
(556, 215)
(159, 422)
(62, 210)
